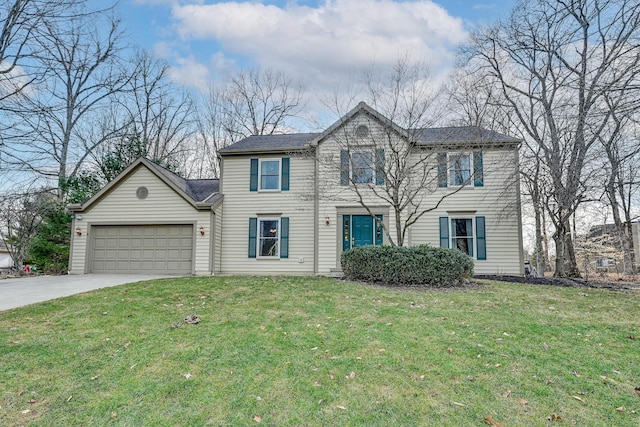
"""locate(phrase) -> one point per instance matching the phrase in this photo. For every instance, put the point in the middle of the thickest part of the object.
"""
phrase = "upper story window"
(269, 174)
(362, 170)
(457, 169)
(362, 166)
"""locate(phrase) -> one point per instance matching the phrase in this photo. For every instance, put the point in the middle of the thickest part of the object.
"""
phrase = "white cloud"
(189, 72)
(322, 44)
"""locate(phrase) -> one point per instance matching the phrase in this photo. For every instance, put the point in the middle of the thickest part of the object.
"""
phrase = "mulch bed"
(566, 282)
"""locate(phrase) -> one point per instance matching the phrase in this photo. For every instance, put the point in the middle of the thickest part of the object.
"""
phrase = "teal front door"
(360, 230)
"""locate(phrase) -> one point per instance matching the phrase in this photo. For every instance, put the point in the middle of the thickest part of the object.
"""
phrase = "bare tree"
(555, 64)
(253, 102)
(83, 73)
(622, 177)
(152, 114)
(401, 171)
(20, 218)
(21, 22)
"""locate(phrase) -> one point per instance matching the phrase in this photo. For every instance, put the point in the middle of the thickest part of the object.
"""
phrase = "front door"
(360, 230)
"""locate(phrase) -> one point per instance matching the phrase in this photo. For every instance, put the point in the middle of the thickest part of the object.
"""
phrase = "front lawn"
(317, 352)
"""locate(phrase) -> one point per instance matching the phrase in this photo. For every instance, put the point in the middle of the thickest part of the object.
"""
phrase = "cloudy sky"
(318, 42)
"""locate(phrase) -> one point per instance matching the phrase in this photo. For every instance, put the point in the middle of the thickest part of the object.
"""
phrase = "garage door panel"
(149, 249)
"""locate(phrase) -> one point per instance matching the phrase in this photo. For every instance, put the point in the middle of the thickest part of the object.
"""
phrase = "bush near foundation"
(422, 265)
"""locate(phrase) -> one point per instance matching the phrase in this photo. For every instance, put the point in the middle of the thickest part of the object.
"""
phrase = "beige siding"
(497, 201)
(162, 206)
(240, 204)
(336, 199)
(217, 242)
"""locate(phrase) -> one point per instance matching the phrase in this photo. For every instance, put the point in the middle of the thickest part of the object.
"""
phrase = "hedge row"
(414, 266)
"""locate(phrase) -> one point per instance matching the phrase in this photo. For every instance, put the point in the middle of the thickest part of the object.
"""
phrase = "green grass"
(319, 352)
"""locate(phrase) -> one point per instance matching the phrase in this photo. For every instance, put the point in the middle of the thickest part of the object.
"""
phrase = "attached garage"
(148, 220)
(157, 249)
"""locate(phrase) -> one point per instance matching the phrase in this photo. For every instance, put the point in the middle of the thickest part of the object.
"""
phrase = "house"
(291, 204)
(6, 261)
(601, 250)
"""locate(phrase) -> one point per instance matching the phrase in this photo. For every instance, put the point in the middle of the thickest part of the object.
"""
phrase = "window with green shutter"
(269, 237)
(270, 174)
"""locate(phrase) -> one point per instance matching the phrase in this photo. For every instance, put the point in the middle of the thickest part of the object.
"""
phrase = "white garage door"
(166, 249)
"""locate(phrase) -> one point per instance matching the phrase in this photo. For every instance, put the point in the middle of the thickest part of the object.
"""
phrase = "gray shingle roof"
(461, 134)
(300, 141)
(265, 143)
(198, 189)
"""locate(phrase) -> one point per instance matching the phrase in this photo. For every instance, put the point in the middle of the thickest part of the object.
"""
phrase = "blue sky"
(320, 43)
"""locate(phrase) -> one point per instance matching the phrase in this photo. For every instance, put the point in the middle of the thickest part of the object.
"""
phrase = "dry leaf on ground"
(492, 422)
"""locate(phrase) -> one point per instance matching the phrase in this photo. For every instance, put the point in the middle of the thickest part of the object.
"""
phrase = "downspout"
(519, 207)
(316, 211)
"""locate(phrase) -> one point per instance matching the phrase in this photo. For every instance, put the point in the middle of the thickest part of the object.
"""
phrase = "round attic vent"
(362, 131)
(142, 193)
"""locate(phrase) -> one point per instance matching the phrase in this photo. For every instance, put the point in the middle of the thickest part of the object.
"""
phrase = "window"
(362, 167)
(456, 169)
(459, 169)
(269, 174)
(269, 238)
(465, 234)
(462, 235)
(362, 172)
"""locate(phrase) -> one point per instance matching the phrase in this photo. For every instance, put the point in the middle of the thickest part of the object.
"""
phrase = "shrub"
(414, 266)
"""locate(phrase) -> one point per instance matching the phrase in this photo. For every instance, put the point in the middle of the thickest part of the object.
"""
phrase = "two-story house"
(291, 204)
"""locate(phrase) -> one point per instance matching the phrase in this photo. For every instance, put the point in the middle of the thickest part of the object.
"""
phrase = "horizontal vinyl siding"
(240, 204)
(334, 197)
(497, 201)
(162, 206)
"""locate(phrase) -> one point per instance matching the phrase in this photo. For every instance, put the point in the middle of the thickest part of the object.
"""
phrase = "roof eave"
(278, 150)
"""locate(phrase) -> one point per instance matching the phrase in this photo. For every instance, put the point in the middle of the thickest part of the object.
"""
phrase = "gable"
(141, 193)
(194, 192)
(347, 128)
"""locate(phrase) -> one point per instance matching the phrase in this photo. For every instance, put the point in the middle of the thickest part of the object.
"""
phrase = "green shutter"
(253, 179)
(285, 174)
(344, 167)
(478, 173)
(380, 166)
(253, 229)
(346, 233)
(444, 232)
(284, 237)
(442, 169)
(379, 230)
(481, 240)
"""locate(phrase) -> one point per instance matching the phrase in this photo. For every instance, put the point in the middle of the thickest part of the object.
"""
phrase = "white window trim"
(279, 186)
(452, 238)
(469, 182)
(259, 237)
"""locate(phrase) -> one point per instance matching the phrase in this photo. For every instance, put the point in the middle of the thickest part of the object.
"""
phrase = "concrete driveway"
(28, 290)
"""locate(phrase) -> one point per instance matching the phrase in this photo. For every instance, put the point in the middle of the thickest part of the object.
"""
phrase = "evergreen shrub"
(422, 265)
